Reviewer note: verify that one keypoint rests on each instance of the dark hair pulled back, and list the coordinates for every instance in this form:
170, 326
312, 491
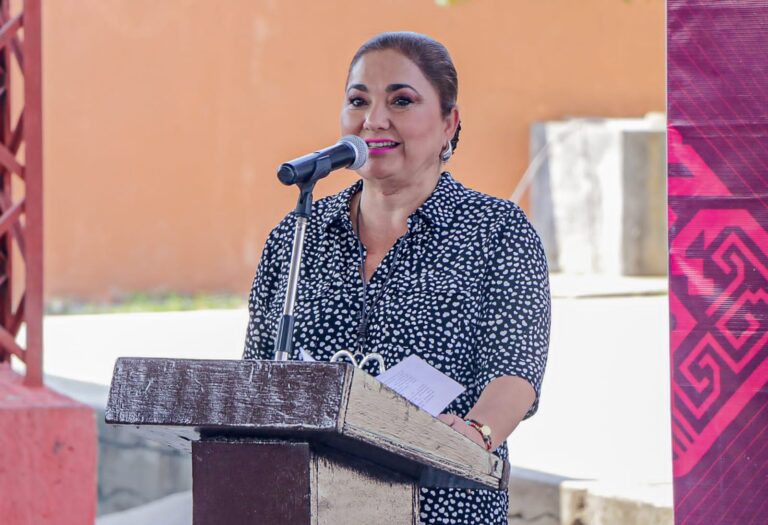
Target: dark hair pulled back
432, 59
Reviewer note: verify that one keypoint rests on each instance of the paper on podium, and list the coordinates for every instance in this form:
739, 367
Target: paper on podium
421, 384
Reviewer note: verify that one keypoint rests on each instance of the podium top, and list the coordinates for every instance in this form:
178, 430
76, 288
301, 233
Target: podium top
177, 401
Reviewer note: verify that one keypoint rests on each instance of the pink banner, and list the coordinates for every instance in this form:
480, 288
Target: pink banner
718, 231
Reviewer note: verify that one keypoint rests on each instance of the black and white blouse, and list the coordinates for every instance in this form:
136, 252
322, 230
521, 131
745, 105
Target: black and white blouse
466, 289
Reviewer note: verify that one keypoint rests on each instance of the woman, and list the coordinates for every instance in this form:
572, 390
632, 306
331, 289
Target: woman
408, 261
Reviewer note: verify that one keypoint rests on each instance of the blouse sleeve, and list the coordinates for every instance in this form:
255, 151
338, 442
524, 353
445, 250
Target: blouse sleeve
515, 318
260, 335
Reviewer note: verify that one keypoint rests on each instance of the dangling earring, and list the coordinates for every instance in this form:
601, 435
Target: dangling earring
447, 152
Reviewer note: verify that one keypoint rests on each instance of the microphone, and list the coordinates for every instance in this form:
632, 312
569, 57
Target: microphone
349, 152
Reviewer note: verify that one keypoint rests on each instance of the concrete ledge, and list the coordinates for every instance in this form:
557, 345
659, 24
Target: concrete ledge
534, 497
601, 503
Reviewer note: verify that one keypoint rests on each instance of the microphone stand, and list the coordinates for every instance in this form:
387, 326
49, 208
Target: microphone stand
284, 340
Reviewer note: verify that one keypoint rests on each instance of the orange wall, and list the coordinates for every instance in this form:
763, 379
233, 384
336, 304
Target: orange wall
165, 120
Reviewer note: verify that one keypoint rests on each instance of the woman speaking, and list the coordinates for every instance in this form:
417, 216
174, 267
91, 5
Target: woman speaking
409, 261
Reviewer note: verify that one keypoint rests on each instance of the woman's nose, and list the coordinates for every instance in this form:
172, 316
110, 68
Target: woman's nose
377, 117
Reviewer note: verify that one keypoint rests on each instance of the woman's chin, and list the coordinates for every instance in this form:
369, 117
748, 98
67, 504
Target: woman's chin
377, 171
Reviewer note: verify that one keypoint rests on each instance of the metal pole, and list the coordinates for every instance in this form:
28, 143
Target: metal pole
284, 340
33, 204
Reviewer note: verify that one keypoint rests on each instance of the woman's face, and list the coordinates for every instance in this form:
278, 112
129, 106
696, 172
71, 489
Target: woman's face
396, 110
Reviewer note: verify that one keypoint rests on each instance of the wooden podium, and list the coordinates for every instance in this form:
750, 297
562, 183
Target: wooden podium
295, 443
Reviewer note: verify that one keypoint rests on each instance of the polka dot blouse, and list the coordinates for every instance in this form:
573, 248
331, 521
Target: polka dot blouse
466, 289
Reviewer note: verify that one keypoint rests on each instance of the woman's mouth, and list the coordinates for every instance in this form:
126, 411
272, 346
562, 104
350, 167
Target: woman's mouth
381, 145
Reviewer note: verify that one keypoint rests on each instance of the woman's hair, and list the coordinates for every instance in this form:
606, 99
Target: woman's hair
432, 59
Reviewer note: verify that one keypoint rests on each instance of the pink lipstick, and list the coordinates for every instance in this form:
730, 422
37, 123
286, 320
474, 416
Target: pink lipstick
379, 146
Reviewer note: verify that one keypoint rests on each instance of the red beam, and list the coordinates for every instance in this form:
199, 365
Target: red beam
16, 48
8, 31
18, 231
10, 216
6, 245
9, 162
18, 134
18, 317
8, 342
33, 140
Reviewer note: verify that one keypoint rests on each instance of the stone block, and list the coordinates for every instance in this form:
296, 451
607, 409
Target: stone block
47, 456
604, 503
598, 195
534, 497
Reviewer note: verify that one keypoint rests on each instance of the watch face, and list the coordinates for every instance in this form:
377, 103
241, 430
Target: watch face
486, 430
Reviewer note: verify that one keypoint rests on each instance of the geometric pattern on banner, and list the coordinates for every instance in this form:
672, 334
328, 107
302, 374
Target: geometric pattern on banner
718, 234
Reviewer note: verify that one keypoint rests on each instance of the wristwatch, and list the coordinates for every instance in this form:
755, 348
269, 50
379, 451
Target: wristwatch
485, 432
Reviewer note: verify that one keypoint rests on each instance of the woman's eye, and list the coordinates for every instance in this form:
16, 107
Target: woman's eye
356, 102
402, 101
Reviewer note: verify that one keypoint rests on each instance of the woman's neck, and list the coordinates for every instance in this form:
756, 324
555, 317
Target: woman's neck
385, 208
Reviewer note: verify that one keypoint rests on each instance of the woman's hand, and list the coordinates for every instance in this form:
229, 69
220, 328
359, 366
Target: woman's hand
501, 406
458, 424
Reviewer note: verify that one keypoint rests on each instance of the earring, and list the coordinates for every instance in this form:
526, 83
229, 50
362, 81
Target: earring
447, 152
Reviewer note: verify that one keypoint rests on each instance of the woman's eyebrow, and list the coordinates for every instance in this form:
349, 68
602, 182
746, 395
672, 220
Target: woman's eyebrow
390, 88
395, 87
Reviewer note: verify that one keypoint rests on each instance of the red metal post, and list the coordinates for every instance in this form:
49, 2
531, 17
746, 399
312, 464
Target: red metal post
48, 443
21, 222
33, 139
6, 308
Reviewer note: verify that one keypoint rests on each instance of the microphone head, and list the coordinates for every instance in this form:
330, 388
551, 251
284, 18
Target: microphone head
361, 150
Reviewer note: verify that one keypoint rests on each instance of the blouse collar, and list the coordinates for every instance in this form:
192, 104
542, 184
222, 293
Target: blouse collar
437, 210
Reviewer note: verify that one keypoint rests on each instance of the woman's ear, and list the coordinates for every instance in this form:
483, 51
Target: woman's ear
452, 122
